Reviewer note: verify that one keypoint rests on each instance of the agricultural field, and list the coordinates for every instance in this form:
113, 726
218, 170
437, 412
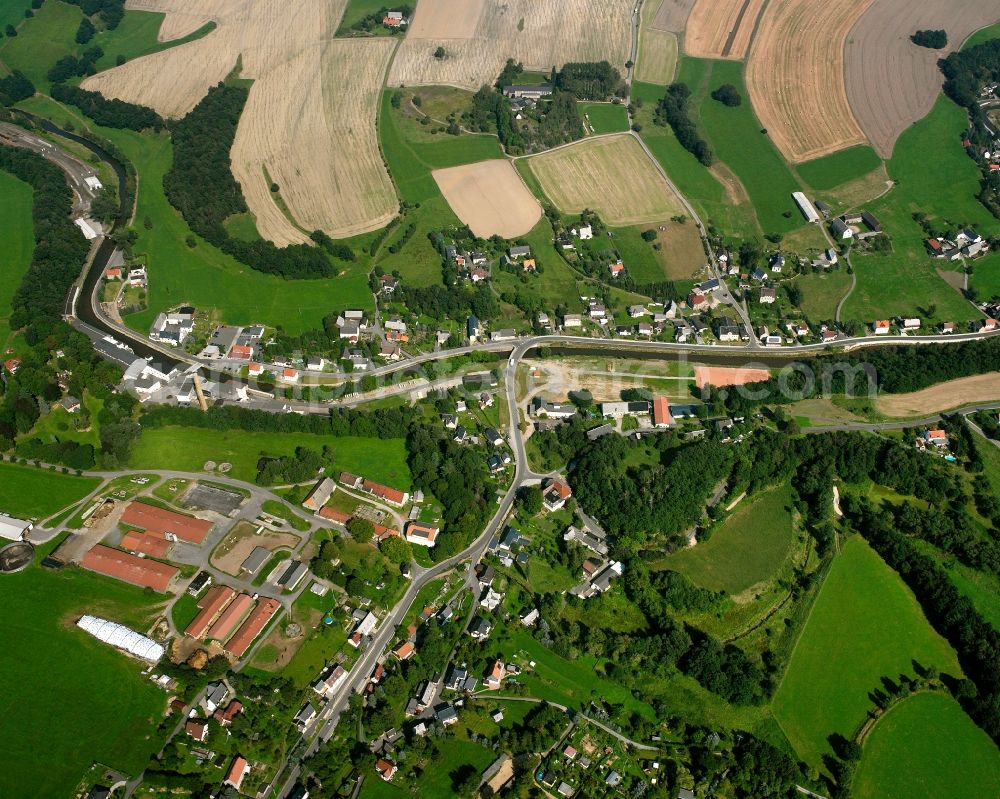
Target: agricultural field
830, 171
795, 74
865, 625
17, 232
891, 83
600, 118
187, 449
745, 550
318, 143
12, 12
657, 47
103, 711
721, 28
478, 37
924, 748
612, 176
30, 492
738, 141
941, 397
985, 278
677, 252
905, 283
490, 198
821, 292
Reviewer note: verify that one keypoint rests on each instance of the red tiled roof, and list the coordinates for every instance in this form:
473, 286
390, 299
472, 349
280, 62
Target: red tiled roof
422, 530
349, 479
385, 492
158, 521
252, 627
237, 771
381, 531
128, 568
233, 615
661, 412
146, 544
232, 710
563, 490
241, 351
404, 650
211, 605
335, 515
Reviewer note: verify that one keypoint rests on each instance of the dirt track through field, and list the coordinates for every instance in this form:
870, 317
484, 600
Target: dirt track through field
942, 397
795, 76
891, 82
721, 28
539, 35
611, 175
490, 198
310, 117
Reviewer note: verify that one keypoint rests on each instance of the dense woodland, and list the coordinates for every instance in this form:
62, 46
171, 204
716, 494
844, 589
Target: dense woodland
200, 185
14, 88
590, 80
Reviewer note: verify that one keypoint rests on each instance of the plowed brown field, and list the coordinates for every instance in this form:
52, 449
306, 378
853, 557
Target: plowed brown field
672, 15
891, 83
795, 76
539, 35
490, 198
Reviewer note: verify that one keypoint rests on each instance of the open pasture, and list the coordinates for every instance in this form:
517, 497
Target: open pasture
318, 144
746, 550
924, 748
795, 76
891, 82
490, 198
539, 35
721, 28
611, 175
29, 492
865, 625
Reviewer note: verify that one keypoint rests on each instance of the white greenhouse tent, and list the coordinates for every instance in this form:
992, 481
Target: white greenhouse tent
121, 637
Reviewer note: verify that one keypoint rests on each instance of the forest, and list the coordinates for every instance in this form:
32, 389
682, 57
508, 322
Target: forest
200, 185
590, 81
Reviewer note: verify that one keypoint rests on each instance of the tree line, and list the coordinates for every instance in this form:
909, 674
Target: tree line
200, 184
108, 113
674, 109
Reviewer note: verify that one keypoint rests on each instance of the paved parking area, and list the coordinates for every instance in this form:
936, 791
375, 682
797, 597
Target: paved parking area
208, 497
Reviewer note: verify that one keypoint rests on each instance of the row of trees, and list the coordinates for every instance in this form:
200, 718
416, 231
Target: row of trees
200, 185
109, 113
674, 110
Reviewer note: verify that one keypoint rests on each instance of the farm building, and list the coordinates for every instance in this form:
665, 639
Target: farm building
423, 534
320, 494
212, 604
144, 544
128, 568
529, 92
121, 637
230, 618
165, 523
13, 529
252, 627
255, 560
805, 207
292, 575
661, 413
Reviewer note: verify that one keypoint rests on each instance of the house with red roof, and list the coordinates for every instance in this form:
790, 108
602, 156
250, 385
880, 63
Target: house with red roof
237, 772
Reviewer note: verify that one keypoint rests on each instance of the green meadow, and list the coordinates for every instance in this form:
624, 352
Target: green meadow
865, 625
925, 748
17, 233
187, 449
935, 177
832, 170
747, 548
28, 491
604, 117
78, 701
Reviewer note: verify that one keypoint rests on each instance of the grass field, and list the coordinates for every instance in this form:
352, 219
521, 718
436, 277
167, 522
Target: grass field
603, 117
557, 283
830, 171
12, 12
186, 449
693, 180
92, 705
821, 292
454, 754
27, 491
679, 256
357, 10
657, 50
208, 278
925, 748
41, 41
748, 548
985, 278
944, 188
17, 232
735, 136
865, 625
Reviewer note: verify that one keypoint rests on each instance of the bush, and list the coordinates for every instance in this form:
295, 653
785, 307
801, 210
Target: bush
932, 39
727, 94
648, 235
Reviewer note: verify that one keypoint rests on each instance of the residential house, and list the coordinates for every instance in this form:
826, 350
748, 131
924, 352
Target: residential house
237, 772
421, 533
555, 495
572, 320
388, 284
506, 334
386, 769
911, 324
552, 410
936, 437
768, 295
777, 262
616, 268
635, 311
519, 251
841, 230
494, 675
583, 232
881, 327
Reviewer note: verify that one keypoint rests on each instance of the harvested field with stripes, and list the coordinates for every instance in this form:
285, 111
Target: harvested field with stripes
672, 15
657, 49
318, 143
611, 175
721, 28
539, 35
795, 76
891, 82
